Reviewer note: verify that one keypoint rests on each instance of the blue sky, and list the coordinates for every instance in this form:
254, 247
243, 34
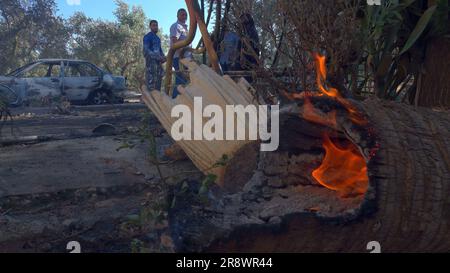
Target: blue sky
165, 11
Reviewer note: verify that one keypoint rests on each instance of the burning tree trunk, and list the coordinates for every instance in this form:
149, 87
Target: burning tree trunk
283, 209
282, 204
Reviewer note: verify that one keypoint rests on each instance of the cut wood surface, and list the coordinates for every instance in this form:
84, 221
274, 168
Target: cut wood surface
213, 89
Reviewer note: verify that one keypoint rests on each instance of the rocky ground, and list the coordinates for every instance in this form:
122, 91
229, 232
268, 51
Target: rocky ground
85, 174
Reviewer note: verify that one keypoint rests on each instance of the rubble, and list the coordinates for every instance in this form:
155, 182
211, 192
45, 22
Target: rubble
64, 179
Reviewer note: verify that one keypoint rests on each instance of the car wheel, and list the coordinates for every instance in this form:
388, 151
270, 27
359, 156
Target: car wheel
8, 96
97, 98
118, 100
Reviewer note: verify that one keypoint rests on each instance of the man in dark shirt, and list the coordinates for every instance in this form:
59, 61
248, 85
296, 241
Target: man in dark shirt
154, 57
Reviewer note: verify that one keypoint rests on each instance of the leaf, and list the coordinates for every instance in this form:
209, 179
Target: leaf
222, 161
133, 219
174, 202
407, 3
206, 183
397, 15
125, 145
184, 188
440, 21
420, 27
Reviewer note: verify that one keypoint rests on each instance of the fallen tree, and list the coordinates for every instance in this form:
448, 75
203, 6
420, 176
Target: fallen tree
271, 202
213, 89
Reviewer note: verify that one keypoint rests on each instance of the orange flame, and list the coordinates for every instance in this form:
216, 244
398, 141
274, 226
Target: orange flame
321, 78
342, 169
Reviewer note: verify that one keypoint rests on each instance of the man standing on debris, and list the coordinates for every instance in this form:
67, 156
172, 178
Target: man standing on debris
229, 52
154, 57
179, 32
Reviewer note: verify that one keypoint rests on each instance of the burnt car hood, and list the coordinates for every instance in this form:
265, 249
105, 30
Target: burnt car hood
119, 83
114, 83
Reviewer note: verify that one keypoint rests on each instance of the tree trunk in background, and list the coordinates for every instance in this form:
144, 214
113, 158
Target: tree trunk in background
434, 89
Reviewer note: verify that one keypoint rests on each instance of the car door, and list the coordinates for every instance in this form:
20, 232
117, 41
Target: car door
80, 80
42, 79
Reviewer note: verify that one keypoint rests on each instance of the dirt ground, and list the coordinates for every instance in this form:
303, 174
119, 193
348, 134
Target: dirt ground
65, 178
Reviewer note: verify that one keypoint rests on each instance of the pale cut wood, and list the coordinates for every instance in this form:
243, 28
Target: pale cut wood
213, 89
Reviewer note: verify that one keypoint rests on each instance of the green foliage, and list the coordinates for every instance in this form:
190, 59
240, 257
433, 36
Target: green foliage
210, 179
126, 145
418, 30
370, 49
148, 216
223, 161
115, 46
31, 30
145, 133
138, 246
207, 182
397, 34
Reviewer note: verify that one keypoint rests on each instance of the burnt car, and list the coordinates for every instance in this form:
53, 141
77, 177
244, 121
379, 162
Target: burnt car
81, 82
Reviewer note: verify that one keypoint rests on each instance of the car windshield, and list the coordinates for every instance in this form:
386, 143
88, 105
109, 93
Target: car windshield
92, 69
18, 70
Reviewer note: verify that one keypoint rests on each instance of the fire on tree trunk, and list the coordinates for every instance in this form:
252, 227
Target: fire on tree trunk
283, 209
289, 201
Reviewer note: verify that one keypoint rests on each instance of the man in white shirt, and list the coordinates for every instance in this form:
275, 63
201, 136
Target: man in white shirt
179, 32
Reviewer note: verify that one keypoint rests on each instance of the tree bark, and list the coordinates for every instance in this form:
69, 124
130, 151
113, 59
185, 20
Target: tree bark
406, 208
435, 82
269, 202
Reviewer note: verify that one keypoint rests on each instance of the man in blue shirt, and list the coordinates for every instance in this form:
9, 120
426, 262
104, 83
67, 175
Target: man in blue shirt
154, 57
230, 52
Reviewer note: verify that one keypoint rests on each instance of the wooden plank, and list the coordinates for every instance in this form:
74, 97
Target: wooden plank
213, 89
